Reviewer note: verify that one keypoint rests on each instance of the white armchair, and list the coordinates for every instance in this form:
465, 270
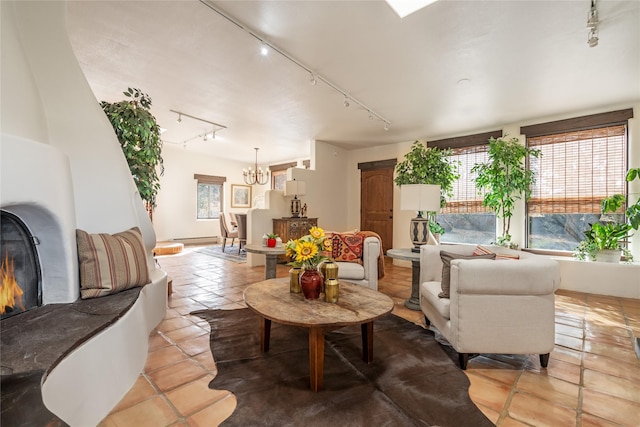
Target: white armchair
501, 306
367, 273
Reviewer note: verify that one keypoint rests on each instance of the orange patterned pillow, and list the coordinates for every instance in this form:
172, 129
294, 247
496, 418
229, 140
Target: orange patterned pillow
347, 247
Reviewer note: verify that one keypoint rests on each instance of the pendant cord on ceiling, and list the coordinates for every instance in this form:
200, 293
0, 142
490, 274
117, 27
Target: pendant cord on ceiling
314, 76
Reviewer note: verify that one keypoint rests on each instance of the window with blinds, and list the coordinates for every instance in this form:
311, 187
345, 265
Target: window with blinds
583, 161
578, 169
465, 195
209, 196
464, 219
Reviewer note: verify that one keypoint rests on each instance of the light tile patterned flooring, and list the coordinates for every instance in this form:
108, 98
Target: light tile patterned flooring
593, 377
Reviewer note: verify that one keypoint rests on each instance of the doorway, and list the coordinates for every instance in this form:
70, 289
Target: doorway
376, 199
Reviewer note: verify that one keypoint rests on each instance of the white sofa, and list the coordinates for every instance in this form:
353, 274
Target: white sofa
495, 306
367, 273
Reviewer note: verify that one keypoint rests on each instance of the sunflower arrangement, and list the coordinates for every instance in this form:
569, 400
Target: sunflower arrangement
308, 251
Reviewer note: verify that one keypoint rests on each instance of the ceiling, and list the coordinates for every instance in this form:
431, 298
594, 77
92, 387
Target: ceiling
451, 68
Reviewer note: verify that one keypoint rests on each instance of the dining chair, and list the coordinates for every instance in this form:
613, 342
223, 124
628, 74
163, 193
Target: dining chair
225, 233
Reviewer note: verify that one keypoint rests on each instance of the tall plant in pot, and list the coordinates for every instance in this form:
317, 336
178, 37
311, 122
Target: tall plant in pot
139, 136
504, 178
429, 165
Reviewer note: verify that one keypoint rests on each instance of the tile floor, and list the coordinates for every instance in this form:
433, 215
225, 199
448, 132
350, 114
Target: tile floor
593, 377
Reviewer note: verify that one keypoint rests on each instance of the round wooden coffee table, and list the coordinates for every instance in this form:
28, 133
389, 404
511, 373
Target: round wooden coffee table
357, 305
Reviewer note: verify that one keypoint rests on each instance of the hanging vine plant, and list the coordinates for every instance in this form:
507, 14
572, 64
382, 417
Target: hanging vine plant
139, 136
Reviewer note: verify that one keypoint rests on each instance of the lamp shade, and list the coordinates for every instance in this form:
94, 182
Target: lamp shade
420, 197
294, 188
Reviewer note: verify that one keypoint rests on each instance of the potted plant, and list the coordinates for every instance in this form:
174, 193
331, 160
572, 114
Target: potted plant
429, 165
271, 240
505, 178
604, 241
139, 136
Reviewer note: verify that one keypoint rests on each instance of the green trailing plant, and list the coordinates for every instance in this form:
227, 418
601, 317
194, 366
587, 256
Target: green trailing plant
633, 211
429, 165
610, 235
504, 178
139, 136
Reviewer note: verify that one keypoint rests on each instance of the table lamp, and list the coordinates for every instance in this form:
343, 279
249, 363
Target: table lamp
295, 188
420, 198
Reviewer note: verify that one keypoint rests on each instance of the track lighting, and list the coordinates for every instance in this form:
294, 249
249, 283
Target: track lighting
592, 24
592, 41
205, 137
386, 125
592, 20
314, 77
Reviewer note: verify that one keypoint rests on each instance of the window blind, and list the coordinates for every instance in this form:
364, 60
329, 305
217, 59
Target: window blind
209, 179
578, 169
465, 195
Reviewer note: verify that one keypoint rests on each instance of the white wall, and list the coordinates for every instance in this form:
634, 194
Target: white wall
326, 196
50, 94
175, 216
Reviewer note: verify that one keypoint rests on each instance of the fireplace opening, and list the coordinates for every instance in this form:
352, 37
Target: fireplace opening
20, 275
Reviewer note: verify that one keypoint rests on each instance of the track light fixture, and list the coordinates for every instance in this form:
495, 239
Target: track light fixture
592, 39
216, 127
592, 24
386, 125
266, 46
592, 19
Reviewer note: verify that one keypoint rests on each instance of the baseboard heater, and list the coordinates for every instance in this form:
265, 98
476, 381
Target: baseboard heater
204, 239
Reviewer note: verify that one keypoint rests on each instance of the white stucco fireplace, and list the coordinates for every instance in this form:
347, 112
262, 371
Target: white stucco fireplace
62, 169
46, 207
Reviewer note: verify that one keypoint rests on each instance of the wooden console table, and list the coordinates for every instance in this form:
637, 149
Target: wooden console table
292, 228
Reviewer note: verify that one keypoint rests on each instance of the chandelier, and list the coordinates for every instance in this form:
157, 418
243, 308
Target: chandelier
257, 175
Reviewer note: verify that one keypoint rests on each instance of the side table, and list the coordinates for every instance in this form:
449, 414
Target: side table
412, 303
270, 255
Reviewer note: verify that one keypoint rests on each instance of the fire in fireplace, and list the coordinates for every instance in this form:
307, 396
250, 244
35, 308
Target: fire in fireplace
21, 285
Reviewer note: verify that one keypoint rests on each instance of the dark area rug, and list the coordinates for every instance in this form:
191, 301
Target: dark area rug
230, 253
411, 381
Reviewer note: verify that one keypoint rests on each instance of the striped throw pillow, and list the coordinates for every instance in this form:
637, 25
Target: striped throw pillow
111, 263
483, 250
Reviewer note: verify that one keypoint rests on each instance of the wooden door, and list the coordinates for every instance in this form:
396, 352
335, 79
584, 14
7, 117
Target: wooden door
376, 199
